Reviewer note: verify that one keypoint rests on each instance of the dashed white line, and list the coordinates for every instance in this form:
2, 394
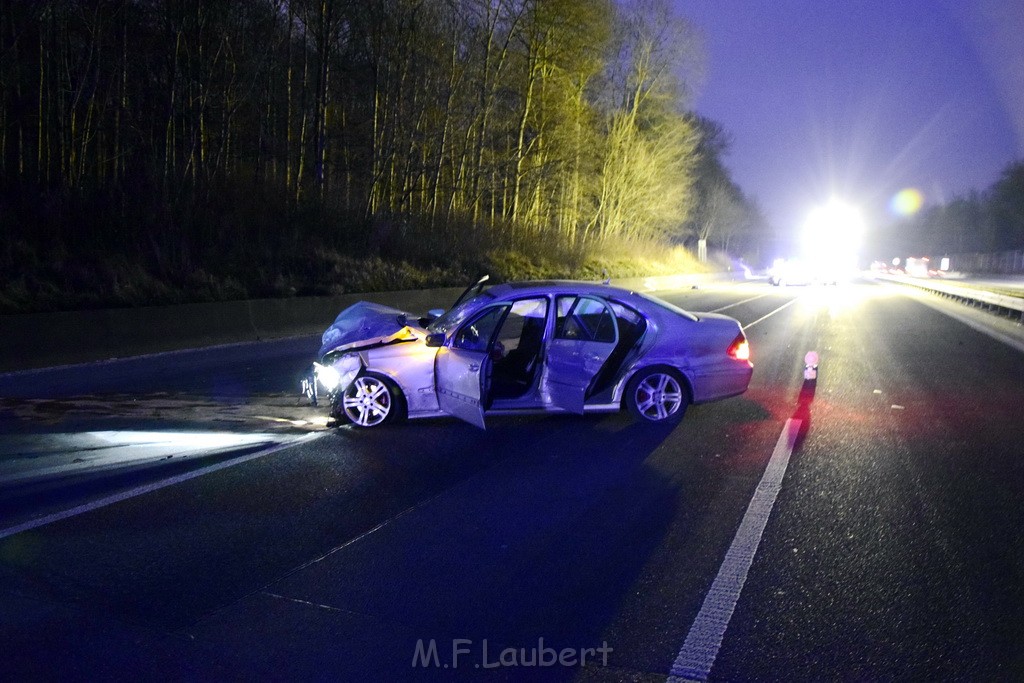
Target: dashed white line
739, 303
700, 649
765, 317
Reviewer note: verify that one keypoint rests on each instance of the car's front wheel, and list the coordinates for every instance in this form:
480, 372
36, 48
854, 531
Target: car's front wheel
657, 394
370, 401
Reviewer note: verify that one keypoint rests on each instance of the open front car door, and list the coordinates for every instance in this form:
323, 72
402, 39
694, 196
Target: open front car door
462, 367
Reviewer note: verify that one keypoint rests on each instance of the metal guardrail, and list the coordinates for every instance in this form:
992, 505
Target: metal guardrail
970, 295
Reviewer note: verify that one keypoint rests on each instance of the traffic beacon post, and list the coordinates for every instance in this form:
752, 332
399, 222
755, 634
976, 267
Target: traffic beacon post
811, 365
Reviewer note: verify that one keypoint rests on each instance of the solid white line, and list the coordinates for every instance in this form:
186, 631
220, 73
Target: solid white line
697, 656
148, 488
9, 374
765, 317
738, 303
947, 308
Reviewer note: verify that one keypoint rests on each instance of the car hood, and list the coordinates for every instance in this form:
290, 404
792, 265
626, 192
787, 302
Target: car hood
368, 324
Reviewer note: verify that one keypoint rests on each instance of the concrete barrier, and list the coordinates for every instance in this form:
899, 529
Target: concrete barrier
46, 339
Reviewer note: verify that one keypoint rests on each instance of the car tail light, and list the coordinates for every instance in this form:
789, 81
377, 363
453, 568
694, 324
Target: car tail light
739, 349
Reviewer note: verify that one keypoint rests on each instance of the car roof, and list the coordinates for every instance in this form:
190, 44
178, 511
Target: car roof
555, 287
640, 301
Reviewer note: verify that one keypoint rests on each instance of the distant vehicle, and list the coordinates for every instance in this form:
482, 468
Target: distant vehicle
786, 272
919, 267
789, 272
520, 347
887, 268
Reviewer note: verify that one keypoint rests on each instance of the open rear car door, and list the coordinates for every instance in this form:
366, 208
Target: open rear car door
586, 333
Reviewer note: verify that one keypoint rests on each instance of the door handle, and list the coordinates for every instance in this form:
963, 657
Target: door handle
473, 367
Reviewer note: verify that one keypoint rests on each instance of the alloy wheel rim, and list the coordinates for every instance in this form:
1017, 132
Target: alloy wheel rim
367, 402
658, 396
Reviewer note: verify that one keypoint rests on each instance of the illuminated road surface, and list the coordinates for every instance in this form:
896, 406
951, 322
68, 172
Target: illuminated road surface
865, 526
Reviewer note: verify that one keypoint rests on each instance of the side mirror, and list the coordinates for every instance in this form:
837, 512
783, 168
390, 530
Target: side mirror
436, 339
435, 312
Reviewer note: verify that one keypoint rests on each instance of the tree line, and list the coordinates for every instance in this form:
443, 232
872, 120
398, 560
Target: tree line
254, 137
976, 223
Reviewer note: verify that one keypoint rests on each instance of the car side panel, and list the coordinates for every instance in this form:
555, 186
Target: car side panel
411, 367
715, 374
723, 381
697, 349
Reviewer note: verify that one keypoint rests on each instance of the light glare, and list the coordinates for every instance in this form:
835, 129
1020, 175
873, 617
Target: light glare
832, 236
906, 202
328, 376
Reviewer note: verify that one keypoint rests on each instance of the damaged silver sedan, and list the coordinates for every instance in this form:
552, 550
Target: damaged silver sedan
528, 347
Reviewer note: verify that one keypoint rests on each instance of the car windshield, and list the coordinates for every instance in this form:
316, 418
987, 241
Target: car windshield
453, 318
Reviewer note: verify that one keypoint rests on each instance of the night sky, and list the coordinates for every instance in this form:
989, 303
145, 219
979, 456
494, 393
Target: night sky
862, 99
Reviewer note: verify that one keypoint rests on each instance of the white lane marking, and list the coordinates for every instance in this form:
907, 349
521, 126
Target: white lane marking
738, 303
84, 452
697, 656
976, 325
156, 355
149, 488
765, 317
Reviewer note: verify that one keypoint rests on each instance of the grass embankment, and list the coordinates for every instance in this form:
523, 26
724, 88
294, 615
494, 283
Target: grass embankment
63, 279
65, 250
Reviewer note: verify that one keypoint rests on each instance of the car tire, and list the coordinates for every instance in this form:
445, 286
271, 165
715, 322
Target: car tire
657, 394
371, 400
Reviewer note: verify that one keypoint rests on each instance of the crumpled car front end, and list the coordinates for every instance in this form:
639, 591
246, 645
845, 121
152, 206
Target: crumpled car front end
359, 327
332, 379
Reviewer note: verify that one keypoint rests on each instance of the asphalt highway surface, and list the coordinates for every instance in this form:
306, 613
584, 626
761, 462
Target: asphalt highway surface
185, 516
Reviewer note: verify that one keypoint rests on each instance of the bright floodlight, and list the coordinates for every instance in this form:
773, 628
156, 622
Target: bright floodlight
832, 235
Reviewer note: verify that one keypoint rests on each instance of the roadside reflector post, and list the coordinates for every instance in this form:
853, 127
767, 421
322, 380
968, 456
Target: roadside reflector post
811, 365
